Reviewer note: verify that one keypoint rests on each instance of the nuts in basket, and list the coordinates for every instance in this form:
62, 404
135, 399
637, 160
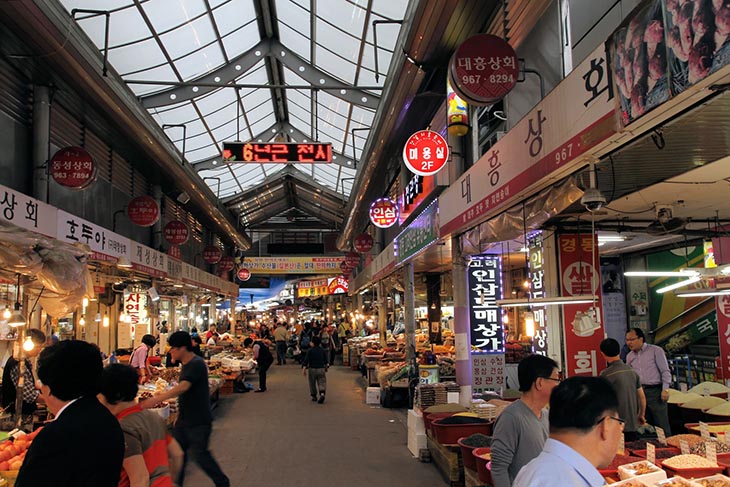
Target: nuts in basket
681, 462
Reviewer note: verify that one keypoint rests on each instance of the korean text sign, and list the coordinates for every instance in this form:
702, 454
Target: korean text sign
485, 288
537, 290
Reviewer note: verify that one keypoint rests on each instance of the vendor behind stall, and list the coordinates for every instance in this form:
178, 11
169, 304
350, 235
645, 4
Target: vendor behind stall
11, 374
140, 359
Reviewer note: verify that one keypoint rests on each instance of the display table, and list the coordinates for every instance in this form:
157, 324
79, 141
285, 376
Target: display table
448, 460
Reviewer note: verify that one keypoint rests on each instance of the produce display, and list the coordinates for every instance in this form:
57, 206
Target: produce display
477, 440
676, 482
714, 481
12, 452
641, 444
619, 460
690, 439
699, 448
689, 461
706, 402
486, 456
682, 397
641, 468
721, 410
709, 387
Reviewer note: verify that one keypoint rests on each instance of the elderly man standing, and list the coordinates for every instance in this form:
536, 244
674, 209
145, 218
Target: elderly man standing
650, 362
585, 430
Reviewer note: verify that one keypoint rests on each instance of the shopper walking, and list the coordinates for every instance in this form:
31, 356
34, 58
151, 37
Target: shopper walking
264, 359
281, 335
316, 363
11, 376
194, 422
625, 381
650, 362
84, 445
152, 458
522, 428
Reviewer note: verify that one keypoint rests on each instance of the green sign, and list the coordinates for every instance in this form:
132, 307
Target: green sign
422, 232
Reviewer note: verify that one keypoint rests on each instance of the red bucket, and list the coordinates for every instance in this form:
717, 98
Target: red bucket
449, 434
429, 417
484, 473
467, 458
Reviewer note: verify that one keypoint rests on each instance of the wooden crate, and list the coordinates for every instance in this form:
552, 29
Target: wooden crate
471, 478
448, 460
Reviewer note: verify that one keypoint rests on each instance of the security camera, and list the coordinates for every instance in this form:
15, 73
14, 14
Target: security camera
593, 199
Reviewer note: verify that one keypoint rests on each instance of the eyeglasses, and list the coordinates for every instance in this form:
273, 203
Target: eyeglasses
618, 420
558, 380
632, 339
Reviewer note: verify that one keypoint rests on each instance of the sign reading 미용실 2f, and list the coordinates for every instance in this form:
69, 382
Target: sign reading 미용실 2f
485, 288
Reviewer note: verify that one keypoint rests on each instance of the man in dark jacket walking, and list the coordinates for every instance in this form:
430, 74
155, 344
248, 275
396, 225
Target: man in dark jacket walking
317, 362
263, 357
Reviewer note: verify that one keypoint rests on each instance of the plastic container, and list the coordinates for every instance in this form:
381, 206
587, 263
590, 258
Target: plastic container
723, 460
466, 454
630, 471
483, 471
717, 478
695, 427
693, 473
428, 418
449, 434
674, 481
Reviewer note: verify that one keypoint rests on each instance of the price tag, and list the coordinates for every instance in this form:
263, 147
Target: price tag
684, 447
661, 436
651, 453
683, 387
621, 446
711, 451
705, 391
704, 430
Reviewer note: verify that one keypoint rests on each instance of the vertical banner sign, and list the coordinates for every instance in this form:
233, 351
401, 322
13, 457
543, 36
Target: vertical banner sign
488, 372
722, 303
133, 305
578, 276
485, 325
537, 290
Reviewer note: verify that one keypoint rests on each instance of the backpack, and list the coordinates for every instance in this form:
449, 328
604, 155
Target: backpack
305, 341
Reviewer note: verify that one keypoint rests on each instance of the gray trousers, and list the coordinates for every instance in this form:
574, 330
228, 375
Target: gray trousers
656, 409
317, 380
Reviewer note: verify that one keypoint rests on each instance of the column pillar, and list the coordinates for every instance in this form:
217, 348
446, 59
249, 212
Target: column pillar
461, 324
157, 227
409, 303
382, 312
41, 140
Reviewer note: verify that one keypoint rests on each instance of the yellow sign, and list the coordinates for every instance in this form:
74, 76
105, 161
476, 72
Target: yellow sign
294, 265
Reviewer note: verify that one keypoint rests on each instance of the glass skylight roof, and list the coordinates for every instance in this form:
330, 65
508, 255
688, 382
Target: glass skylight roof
181, 41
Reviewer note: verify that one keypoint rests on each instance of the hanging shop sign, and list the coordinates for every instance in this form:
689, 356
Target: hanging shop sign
212, 254
277, 152
175, 252
414, 194
105, 245
73, 168
294, 265
457, 117
312, 288
149, 261
345, 268
363, 243
226, 264
143, 211
537, 290
176, 232
337, 285
383, 213
243, 274
483, 69
485, 288
425, 153
27, 213
542, 144
352, 259
582, 324
134, 303
488, 373
416, 237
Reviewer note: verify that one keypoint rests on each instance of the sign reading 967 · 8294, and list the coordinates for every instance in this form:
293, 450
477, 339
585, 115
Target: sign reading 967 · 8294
485, 289
425, 153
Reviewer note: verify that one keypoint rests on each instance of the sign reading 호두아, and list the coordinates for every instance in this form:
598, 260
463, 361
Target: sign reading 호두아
104, 244
485, 288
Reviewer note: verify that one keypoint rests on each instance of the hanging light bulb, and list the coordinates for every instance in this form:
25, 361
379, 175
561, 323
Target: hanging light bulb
105, 321
16, 317
85, 303
526, 284
82, 321
433, 305
122, 317
6, 313
28, 344
529, 324
505, 319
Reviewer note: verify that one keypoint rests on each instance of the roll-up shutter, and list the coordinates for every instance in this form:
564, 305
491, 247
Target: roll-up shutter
14, 94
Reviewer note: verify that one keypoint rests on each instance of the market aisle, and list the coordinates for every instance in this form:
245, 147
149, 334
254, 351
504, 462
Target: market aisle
280, 437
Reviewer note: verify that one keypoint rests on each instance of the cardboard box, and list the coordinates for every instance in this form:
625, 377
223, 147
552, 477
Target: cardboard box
372, 395
416, 442
415, 422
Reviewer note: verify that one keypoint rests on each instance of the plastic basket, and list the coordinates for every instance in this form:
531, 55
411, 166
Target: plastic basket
466, 454
428, 418
483, 471
693, 473
449, 434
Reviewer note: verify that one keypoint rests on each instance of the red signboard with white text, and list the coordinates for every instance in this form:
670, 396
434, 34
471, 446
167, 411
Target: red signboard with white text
143, 211
722, 305
580, 275
73, 168
384, 213
176, 232
425, 153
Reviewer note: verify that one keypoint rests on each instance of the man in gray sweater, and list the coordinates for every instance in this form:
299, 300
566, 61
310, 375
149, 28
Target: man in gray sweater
522, 428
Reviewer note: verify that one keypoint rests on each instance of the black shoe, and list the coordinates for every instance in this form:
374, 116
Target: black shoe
314, 398
260, 390
321, 399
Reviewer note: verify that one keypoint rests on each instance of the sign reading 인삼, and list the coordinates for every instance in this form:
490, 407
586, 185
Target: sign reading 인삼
105, 245
422, 232
294, 265
572, 120
579, 266
143, 211
488, 372
425, 153
28, 213
537, 290
383, 213
73, 168
277, 152
485, 288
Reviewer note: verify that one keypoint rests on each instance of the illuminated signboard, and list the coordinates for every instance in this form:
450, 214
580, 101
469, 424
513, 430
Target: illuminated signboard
277, 152
384, 212
414, 194
537, 290
485, 288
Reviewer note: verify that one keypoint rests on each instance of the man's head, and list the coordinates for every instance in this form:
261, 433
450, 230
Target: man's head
635, 339
180, 345
248, 342
197, 340
610, 348
118, 384
213, 328
68, 370
538, 374
584, 415
39, 340
149, 340
316, 341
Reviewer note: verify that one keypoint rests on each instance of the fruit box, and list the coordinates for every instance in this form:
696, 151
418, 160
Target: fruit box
643, 471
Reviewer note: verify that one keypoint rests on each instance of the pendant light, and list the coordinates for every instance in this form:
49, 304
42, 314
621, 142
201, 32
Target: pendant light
17, 318
82, 321
6, 313
28, 344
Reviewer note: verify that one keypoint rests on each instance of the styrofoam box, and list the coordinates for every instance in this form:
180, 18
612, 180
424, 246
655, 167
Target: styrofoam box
372, 395
629, 472
415, 422
416, 442
713, 477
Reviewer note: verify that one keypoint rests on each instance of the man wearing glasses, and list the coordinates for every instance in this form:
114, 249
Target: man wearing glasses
650, 362
522, 428
585, 430
626, 383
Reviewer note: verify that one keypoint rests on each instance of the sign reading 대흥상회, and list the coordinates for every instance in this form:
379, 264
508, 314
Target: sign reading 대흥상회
485, 288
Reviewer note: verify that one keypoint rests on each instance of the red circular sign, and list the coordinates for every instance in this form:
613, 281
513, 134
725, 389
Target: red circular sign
425, 153
352, 259
383, 212
483, 69
345, 268
243, 274
212, 254
226, 264
73, 167
143, 211
176, 232
363, 243
174, 251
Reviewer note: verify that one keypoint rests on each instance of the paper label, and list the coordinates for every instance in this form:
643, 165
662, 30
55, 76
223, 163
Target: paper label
661, 436
684, 447
705, 391
704, 430
711, 451
651, 453
683, 387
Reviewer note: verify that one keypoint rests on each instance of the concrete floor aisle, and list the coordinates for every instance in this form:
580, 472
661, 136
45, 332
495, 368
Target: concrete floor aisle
281, 438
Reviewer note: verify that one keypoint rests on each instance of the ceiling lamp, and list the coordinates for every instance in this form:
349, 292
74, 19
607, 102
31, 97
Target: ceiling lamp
556, 301
679, 273
28, 344
700, 293
16, 317
7, 313
679, 284
123, 263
